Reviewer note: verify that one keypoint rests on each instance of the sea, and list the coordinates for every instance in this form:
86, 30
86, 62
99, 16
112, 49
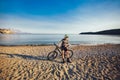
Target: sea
49, 39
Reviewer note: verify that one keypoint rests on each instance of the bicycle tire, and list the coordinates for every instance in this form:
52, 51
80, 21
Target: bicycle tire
52, 55
70, 54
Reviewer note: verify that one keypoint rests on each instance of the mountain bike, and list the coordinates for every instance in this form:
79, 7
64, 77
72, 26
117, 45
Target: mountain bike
57, 51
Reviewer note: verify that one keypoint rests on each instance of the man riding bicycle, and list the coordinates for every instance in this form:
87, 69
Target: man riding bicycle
64, 44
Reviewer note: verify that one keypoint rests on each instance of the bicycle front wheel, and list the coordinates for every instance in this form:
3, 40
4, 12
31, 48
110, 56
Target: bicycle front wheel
52, 55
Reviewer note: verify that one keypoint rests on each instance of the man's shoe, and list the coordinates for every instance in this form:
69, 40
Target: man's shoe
63, 61
68, 60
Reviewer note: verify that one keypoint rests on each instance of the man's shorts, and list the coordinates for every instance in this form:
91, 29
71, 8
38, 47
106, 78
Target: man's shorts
64, 48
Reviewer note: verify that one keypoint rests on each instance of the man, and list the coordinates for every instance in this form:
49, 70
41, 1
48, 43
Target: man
64, 44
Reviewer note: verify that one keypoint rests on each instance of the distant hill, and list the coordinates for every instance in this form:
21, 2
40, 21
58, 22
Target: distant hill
105, 32
6, 31
11, 31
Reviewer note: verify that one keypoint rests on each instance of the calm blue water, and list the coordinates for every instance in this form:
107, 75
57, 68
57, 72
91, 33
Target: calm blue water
40, 39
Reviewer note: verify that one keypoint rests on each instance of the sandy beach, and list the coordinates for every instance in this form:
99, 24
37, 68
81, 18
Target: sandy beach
90, 62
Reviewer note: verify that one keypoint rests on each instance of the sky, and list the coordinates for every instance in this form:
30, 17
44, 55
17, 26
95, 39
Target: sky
60, 16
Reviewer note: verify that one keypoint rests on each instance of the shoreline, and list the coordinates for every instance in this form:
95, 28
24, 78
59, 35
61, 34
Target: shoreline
53, 45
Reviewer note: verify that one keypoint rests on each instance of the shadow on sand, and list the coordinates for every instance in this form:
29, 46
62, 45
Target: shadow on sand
28, 57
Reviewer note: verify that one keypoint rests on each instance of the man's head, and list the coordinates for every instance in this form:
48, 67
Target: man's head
66, 36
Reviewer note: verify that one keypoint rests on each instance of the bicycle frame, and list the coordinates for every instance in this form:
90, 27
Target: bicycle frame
57, 48
57, 51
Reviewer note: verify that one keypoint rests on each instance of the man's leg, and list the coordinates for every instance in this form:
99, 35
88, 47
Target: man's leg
68, 55
63, 56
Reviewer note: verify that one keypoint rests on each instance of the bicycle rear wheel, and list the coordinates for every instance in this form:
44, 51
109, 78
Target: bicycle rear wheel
70, 53
52, 55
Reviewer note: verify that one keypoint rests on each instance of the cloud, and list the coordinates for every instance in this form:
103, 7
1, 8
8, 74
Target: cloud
89, 17
75, 25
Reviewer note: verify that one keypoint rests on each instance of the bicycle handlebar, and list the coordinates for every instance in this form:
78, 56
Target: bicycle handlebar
56, 45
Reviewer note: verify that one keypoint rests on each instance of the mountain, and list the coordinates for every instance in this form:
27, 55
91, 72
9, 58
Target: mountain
6, 31
11, 31
105, 32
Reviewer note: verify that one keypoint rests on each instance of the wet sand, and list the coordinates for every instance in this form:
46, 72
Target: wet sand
90, 62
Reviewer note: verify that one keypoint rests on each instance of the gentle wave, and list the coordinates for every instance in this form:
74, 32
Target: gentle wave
49, 39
